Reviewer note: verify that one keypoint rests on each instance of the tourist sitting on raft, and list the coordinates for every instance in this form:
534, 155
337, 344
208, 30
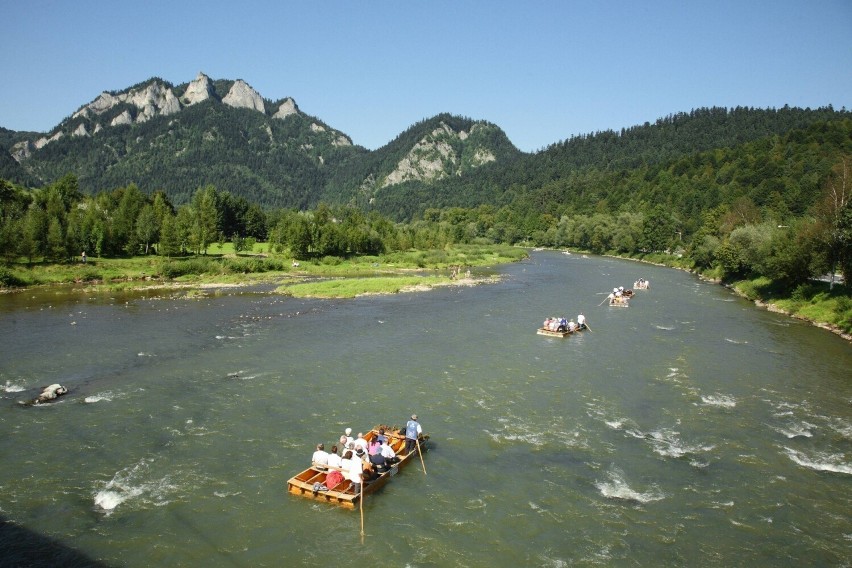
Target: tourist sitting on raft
334, 458
381, 438
354, 464
320, 458
388, 453
555, 324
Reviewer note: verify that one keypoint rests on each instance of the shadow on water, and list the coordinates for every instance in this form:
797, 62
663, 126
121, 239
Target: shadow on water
22, 548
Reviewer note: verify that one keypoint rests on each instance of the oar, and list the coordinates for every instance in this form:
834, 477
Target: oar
423, 463
587, 326
602, 303
362, 508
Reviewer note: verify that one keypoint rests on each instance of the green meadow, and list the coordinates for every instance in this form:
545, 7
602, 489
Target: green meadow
330, 277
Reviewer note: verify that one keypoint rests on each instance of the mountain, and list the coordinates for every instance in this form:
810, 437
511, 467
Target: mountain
580, 173
224, 133
440, 148
221, 132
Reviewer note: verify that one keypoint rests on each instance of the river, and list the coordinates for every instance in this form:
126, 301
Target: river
690, 429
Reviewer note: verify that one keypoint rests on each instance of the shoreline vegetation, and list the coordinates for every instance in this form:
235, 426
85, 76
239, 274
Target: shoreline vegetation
327, 277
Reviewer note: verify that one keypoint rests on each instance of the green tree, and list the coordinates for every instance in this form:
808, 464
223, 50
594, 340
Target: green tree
56, 250
255, 222
170, 242
130, 204
34, 237
68, 189
791, 255
298, 236
832, 212
658, 230
205, 226
184, 221
754, 243
239, 243
147, 226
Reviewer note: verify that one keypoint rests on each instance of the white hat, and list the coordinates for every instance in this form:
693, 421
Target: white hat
348, 431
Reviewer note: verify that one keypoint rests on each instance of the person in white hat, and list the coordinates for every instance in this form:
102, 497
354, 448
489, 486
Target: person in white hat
347, 438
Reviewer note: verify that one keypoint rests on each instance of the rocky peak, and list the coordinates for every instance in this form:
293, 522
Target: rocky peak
287, 108
157, 98
242, 95
440, 153
199, 89
428, 160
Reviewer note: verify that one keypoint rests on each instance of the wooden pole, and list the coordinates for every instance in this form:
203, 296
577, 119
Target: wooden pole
423, 463
587, 326
362, 506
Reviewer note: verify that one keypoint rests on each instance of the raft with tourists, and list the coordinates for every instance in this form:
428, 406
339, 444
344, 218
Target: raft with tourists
313, 482
551, 333
560, 327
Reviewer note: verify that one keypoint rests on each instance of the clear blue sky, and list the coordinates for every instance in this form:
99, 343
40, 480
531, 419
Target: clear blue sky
541, 70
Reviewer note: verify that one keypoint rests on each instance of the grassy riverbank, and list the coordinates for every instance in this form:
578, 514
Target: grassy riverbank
321, 277
815, 302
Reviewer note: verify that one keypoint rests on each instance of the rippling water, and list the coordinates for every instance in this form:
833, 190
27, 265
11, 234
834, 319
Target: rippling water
690, 429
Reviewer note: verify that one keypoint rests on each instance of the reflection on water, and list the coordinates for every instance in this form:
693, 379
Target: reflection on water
690, 429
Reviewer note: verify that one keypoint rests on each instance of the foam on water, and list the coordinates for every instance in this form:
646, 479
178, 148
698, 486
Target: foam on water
124, 485
617, 488
514, 429
667, 443
820, 461
736, 342
796, 430
720, 400
12, 387
241, 376
107, 396
842, 427
136, 484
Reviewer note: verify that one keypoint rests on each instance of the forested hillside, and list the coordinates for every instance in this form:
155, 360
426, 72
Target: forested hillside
581, 168
269, 162
358, 180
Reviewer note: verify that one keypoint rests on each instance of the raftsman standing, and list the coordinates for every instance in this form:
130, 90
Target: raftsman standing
412, 433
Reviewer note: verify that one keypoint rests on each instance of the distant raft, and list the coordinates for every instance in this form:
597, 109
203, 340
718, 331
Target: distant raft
560, 333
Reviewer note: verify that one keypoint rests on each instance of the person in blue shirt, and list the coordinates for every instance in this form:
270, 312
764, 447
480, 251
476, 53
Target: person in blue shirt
412, 433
